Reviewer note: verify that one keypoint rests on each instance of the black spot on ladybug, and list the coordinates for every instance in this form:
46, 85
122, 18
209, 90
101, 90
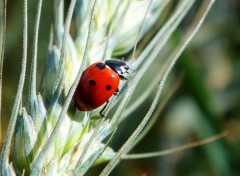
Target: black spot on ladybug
92, 82
108, 87
101, 66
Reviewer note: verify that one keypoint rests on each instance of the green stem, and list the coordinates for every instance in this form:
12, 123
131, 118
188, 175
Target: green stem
3, 10
57, 85
176, 149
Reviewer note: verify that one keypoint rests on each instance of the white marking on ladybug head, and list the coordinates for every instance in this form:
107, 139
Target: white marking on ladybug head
123, 69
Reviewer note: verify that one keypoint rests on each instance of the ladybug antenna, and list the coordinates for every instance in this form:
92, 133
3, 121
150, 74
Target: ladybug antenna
130, 65
131, 68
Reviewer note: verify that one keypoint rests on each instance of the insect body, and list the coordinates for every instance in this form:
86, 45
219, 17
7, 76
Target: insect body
98, 83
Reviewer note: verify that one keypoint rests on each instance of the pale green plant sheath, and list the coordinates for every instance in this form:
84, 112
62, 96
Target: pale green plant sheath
32, 91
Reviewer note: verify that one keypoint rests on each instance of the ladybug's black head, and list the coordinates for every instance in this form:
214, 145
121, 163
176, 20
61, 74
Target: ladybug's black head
120, 67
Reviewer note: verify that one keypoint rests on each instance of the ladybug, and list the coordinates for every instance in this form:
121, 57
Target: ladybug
98, 83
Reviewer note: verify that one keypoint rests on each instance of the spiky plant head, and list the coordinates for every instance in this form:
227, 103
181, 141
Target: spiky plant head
49, 138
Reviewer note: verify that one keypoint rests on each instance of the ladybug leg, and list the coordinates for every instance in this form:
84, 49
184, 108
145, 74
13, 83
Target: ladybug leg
103, 109
117, 91
123, 77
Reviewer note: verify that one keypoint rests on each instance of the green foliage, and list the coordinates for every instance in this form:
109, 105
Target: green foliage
49, 136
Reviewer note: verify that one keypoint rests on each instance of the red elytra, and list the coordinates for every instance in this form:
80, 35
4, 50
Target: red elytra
98, 83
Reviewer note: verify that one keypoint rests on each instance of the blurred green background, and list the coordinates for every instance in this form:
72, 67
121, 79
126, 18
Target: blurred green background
207, 102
